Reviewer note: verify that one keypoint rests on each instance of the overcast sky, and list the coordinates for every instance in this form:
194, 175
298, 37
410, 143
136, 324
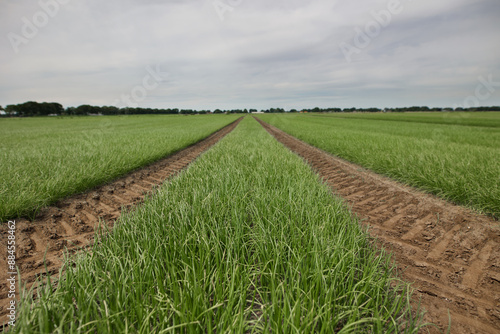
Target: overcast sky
207, 54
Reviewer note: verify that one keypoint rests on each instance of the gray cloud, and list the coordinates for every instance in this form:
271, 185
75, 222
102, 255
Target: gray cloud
261, 55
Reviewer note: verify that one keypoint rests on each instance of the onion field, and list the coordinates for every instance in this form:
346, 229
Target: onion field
453, 155
45, 159
245, 231
247, 239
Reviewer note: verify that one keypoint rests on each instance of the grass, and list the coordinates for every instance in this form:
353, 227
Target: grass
45, 159
247, 239
481, 119
456, 157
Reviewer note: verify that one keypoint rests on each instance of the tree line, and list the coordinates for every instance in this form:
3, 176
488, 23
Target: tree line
31, 108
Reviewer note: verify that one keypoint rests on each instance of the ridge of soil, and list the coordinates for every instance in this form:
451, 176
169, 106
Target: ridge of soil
450, 254
69, 224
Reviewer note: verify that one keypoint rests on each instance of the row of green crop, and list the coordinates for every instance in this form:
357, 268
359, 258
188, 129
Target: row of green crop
480, 119
247, 239
457, 162
44, 159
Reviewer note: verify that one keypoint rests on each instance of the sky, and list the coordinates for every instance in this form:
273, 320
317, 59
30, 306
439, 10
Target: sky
235, 54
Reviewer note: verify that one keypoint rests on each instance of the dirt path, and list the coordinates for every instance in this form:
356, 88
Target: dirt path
451, 255
70, 223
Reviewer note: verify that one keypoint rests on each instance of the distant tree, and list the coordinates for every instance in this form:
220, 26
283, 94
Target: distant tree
416, 108
32, 108
368, 109
493, 108
217, 111
10, 109
86, 109
110, 110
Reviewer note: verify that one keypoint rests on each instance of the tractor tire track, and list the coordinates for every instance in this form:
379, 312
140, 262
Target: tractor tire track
450, 254
70, 223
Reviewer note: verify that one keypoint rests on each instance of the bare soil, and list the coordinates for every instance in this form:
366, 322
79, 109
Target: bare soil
69, 224
450, 254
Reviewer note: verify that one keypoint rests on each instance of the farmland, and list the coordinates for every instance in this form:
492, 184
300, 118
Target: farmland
45, 159
249, 238
246, 239
455, 156
481, 119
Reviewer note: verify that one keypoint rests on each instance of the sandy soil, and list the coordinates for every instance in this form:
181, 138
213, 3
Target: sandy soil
69, 224
449, 253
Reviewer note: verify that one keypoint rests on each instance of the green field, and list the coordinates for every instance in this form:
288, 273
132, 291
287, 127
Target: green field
453, 155
45, 159
247, 239
484, 119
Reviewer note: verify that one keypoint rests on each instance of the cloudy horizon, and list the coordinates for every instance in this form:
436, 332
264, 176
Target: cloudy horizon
235, 54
